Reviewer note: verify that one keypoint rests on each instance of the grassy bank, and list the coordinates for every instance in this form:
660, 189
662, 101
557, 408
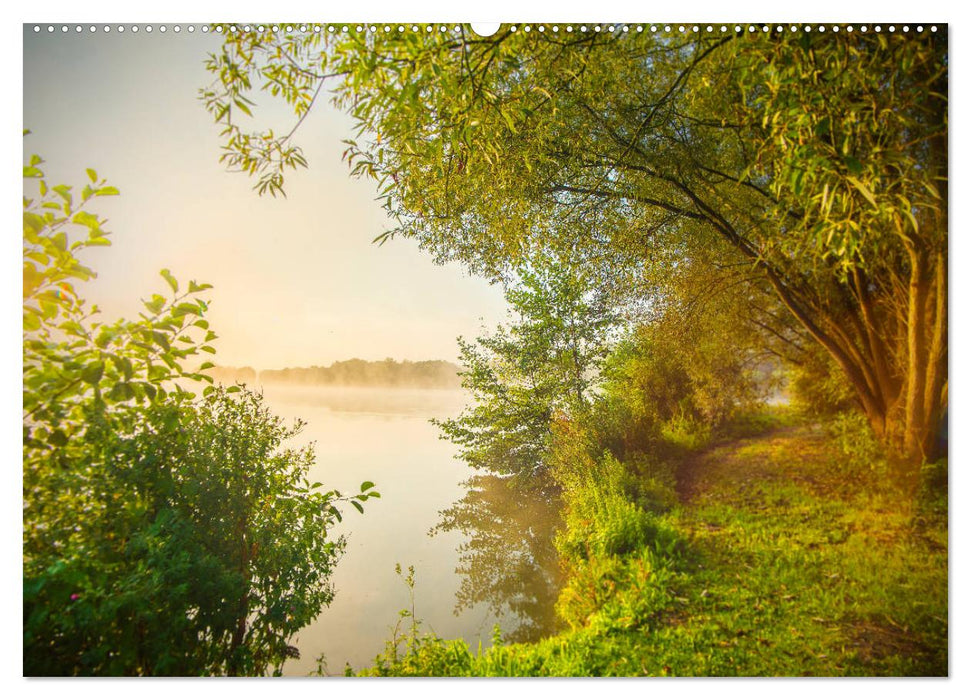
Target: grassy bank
783, 556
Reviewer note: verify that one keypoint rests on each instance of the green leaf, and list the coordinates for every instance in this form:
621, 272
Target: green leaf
92, 175
64, 191
864, 190
155, 304
57, 438
92, 373
85, 218
367, 485
852, 164
171, 280
122, 391
357, 505
161, 340
124, 365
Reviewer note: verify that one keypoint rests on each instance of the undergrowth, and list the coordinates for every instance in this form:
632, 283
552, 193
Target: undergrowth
796, 555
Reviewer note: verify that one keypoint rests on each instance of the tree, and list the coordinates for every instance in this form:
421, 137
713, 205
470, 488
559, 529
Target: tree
545, 362
163, 534
818, 159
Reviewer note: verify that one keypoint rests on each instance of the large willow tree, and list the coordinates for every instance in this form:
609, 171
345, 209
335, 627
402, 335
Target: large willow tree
816, 161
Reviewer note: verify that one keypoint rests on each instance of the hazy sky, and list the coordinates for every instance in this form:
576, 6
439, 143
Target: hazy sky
297, 281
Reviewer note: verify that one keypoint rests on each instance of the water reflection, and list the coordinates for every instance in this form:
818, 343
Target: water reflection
508, 561
491, 559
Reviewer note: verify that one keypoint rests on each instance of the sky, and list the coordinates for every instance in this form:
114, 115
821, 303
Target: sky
297, 281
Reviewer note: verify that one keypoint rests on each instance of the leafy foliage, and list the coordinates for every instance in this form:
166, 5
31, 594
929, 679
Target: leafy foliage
163, 534
792, 186
545, 362
785, 569
70, 357
818, 161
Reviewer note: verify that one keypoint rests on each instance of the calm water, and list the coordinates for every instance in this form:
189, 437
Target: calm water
384, 436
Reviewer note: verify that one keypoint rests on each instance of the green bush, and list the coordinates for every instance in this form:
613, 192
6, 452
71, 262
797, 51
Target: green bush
163, 534
650, 483
863, 457
686, 433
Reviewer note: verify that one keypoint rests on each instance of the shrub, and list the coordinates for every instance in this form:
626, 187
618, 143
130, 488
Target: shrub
863, 455
686, 433
162, 534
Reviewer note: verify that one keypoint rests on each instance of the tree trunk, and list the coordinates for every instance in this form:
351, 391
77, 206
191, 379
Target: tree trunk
908, 418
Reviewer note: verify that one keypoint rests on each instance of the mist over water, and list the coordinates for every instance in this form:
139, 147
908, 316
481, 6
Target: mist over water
384, 436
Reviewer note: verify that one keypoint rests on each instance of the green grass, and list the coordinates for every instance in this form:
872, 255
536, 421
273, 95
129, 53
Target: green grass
784, 558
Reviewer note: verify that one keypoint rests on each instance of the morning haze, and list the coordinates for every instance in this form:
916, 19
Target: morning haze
297, 281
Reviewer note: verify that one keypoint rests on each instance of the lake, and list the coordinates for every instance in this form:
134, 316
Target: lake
384, 436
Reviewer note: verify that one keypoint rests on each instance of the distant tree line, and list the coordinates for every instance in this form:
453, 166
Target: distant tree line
426, 374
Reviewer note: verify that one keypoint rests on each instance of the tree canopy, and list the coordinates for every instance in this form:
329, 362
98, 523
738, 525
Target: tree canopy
818, 160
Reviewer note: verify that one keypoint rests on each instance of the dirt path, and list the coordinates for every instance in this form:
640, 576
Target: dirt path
721, 462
